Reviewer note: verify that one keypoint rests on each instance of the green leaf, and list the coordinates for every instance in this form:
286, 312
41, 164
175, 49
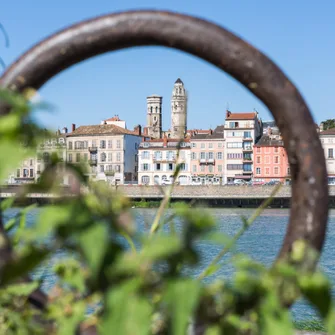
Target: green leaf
94, 243
274, 319
316, 288
182, 297
23, 289
126, 312
7, 203
23, 265
68, 324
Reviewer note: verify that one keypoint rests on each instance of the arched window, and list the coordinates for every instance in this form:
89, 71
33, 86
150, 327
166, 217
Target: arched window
183, 180
164, 177
145, 180
156, 180
151, 109
156, 109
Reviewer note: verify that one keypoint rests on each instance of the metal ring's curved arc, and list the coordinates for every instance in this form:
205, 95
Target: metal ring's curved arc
221, 48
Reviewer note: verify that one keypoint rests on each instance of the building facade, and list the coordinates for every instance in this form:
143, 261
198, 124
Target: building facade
207, 157
241, 132
158, 159
109, 151
270, 160
327, 138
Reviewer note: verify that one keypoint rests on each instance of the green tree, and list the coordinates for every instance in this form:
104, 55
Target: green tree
328, 124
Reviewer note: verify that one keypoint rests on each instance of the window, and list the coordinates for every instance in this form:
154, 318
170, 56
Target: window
233, 124
118, 157
109, 168
145, 167
220, 168
194, 145
210, 145
202, 155
258, 170
220, 145
330, 153
247, 134
102, 144
276, 158
170, 155
193, 156
158, 166
258, 159
18, 173
202, 168
78, 157
219, 155
102, 168
258, 150
70, 158
211, 155
210, 168
183, 167
110, 144
276, 170
46, 157
31, 162
235, 156
288, 171
234, 167
156, 180
145, 145
234, 145
145, 154
194, 168
157, 155
203, 145
70, 145
276, 149
183, 145
145, 179
182, 155
110, 157
170, 167
118, 168
118, 144
267, 171
85, 157
103, 157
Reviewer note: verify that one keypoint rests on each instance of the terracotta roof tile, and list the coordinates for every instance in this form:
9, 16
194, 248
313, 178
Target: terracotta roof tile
330, 131
101, 129
241, 116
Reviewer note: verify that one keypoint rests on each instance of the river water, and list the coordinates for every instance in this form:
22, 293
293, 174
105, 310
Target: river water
262, 242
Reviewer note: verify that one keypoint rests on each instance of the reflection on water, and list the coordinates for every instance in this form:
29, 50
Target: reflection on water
262, 242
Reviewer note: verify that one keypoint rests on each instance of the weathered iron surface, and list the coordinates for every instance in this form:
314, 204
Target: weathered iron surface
229, 53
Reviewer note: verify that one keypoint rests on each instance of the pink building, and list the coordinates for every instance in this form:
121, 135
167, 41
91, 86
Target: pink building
270, 160
207, 156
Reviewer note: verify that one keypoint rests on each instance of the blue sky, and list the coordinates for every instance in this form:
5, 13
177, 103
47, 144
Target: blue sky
298, 35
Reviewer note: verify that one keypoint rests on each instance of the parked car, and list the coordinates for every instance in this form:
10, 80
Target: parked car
239, 182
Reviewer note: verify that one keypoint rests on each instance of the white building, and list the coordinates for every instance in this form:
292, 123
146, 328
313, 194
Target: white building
327, 138
241, 131
158, 159
108, 149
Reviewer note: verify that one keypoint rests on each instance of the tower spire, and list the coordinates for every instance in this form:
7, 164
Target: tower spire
178, 110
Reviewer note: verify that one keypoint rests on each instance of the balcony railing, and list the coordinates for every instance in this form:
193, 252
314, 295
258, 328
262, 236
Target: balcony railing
210, 161
93, 161
247, 138
247, 159
207, 161
92, 149
247, 149
109, 173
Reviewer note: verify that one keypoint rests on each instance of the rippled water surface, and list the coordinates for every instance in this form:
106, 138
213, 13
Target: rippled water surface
262, 241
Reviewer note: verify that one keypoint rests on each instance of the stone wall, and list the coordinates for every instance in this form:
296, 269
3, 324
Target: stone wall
209, 192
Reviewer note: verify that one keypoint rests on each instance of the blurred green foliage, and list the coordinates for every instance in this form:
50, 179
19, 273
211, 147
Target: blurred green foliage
134, 281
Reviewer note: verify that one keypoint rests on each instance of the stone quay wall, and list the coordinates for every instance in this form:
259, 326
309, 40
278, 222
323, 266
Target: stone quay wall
208, 192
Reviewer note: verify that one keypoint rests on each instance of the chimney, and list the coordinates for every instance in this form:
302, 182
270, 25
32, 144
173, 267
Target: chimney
73, 127
65, 130
138, 130
165, 141
227, 113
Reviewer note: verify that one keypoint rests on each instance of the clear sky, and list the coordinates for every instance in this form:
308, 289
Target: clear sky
298, 35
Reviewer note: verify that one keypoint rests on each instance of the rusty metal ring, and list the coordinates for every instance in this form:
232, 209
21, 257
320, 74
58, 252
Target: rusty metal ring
309, 208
